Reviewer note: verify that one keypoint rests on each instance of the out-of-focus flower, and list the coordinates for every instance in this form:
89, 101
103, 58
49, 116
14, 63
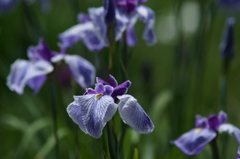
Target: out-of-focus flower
96, 107
8, 5
34, 72
92, 29
238, 152
227, 45
230, 3
194, 141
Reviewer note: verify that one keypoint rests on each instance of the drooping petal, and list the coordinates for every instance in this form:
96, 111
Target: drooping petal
97, 18
22, 71
231, 130
121, 24
36, 83
93, 113
131, 37
222, 117
121, 89
16, 76
85, 32
148, 17
133, 114
193, 142
82, 70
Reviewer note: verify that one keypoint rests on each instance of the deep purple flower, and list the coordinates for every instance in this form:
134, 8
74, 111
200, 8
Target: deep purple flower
96, 107
194, 141
227, 45
34, 72
93, 28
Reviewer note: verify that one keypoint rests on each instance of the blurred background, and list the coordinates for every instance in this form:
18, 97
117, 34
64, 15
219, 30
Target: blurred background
175, 79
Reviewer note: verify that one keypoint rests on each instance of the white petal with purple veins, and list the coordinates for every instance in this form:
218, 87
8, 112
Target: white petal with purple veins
231, 129
133, 114
82, 70
92, 113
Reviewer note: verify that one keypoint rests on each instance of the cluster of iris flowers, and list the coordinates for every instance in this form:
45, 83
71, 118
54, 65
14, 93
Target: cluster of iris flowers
96, 107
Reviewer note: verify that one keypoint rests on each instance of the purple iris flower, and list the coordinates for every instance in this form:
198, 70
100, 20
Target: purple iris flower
227, 45
238, 152
96, 107
194, 141
92, 29
34, 72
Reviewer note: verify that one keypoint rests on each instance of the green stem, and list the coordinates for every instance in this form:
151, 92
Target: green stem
54, 114
214, 147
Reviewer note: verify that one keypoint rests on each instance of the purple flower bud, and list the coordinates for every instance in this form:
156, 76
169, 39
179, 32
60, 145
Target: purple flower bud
109, 9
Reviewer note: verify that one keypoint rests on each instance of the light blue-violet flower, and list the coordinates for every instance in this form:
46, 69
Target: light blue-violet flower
194, 141
8, 5
92, 27
34, 72
227, 45
96, 107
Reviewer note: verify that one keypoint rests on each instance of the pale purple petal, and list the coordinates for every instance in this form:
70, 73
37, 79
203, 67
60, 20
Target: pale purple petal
22, 71
133, 115
99, 88
97, 18
121, 89
82, 70
122, 21
201, 122
131, 37
148, 17
16, 76
85, 32
231, 130
108, 89
36, 83
193, 142
83, 18
222, 117
90, 91
93, 113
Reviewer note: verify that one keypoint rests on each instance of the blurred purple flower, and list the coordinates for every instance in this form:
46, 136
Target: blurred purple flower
34, 72
194, 141
230, 3
227, 45
92, 29
96, 107
8, 5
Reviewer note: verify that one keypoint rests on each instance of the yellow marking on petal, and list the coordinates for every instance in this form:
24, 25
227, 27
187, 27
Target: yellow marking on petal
197, 130
98, 96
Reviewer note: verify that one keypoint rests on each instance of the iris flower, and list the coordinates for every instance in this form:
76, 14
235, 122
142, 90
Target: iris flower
227, 45
194, 141
34, 72
92, 27
96, 107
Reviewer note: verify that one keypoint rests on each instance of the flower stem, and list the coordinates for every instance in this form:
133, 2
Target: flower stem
214, 147
54, 114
